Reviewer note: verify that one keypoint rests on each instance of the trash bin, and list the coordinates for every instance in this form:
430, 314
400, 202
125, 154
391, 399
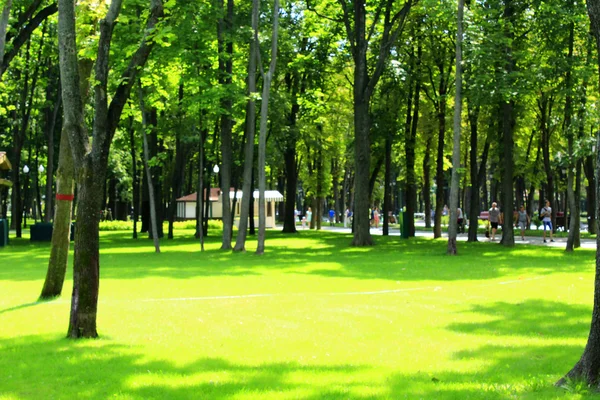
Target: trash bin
404, 229
41, 232
3, 232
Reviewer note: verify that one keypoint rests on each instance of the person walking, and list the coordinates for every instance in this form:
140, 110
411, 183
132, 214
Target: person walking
308, 217
495, 220
523, 221
460, 221
346, 217
376, 217
546, 215
331, 217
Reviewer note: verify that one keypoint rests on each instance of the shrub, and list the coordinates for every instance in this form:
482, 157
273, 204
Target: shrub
116, 225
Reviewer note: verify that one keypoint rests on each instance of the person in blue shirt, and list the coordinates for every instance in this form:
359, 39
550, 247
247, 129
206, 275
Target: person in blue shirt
331, 217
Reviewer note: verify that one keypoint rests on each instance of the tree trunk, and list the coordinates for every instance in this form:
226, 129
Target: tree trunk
50, 129
362, 154
59, 252
86, 265
573, 240
247, 185
454, 186
262, 137
475, 201
177, 183
439, 176
387, 186
588, 366
225, 32
91, 159
151, 192
135, 175
4, 18
427, 181
508, 234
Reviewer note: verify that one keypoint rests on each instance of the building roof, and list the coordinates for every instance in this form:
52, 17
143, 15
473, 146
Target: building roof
214, 196
4, 163
270, 195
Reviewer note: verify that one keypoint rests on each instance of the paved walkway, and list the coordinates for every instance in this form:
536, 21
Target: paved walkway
533, 240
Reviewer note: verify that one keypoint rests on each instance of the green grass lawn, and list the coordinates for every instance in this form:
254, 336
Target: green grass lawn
311, 319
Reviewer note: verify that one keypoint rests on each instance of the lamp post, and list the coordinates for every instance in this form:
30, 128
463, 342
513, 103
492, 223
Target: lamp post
216, 171
41, 170
25, 206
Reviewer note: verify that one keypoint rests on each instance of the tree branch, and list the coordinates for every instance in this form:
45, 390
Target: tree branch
25, 33
129, 76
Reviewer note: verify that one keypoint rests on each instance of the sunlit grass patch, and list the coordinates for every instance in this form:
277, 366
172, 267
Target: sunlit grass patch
312, 319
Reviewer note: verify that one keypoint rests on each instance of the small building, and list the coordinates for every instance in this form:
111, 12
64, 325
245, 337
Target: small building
5, 166
186, 206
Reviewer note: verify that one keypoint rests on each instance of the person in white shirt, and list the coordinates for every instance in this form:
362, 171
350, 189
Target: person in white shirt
546, 215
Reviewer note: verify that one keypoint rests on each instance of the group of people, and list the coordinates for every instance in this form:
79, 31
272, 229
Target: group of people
522, 220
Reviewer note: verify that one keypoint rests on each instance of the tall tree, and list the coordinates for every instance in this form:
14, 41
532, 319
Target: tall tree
262, 137
361, 41
247, 189
588, 366
225, 34
90, 159
457, 133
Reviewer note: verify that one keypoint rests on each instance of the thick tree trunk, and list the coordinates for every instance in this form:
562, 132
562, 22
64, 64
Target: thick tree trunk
86, 265
90, 159
362, 154
508, 237
454, 186
59, 252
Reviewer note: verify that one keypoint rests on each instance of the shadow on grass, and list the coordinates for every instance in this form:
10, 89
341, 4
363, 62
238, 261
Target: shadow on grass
44, 366
325, 254
531, 318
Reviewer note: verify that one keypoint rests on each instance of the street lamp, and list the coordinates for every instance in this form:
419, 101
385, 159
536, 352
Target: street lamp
26, 171
216, 169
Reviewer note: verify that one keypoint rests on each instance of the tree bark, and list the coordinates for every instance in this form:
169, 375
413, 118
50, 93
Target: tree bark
474, 193
573, 240
262, 137
247, 189
225, 32
454, 186
588, 366
135, 174
59, 252
90, 159
427, 180
4, 26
